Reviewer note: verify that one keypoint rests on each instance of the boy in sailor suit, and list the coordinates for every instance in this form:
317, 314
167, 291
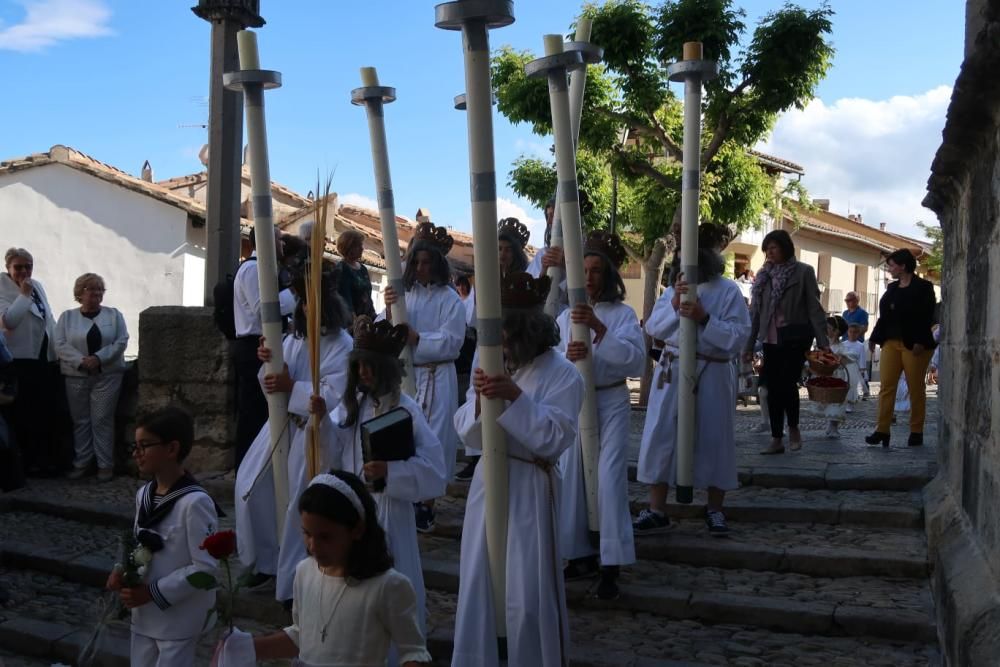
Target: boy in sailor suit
173, 516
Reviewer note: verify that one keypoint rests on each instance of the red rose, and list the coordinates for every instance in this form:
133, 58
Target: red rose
220, 545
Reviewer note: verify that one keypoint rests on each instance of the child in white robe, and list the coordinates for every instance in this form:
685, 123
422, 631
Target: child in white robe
724, 327
259, 545
349, 603
373, 388
174, 514
619, 353
437, 331
849, 371
542, 395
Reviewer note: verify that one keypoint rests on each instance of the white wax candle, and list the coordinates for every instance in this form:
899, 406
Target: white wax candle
246, 42
369, 77
553, 44
583, 28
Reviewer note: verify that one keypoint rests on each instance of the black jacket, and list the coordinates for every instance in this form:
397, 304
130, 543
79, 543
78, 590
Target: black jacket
911, 309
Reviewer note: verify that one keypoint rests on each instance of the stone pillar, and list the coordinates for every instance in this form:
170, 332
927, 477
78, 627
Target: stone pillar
963, 532
225, 137
184, 361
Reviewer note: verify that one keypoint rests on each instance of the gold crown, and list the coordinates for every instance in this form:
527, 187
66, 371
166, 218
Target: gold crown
379, 337
515, 230
522, 290
437, 236
607, 244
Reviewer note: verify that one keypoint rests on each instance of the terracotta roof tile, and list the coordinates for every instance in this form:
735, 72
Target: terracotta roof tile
75, 159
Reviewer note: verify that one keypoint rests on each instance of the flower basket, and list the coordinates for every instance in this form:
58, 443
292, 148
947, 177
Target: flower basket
823, 363
827, 390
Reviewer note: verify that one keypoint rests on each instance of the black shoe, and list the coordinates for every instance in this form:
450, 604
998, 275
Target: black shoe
466, 473
425, 518
581, 568
716, 522
287, 605
649, 522
916, 440
607, 589
878, 438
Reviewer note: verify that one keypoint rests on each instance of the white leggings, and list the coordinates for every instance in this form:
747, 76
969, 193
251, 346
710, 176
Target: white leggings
149, 652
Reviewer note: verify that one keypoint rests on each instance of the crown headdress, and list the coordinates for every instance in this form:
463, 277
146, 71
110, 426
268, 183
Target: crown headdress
607, 244
379, 337
515, 230
437, 236
522, 290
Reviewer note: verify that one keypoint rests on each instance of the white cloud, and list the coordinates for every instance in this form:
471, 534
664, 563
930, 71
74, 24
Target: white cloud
358, 200
47, 22
869, 157
507, 208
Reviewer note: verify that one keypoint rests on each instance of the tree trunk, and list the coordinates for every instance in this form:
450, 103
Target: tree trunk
652, 270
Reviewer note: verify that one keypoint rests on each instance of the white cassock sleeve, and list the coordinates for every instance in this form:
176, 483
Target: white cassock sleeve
422, 476
333, 371
622, 351
293, 630
546, 424
663, 322
199, 520
334, 441
398, 613
728, 329
444, 342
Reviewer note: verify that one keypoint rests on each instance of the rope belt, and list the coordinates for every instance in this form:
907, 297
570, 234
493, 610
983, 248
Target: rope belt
603, 387
548, 467
428, 388
667, 361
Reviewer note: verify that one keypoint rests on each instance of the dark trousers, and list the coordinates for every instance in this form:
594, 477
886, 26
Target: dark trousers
782, 370
35, 413
251, 406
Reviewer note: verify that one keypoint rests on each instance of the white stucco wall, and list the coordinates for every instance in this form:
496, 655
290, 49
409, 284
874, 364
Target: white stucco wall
73, 223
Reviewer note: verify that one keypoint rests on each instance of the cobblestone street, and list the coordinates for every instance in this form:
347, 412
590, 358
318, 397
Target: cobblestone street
826, 564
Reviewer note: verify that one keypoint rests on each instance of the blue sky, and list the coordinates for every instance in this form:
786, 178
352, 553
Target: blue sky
117, 78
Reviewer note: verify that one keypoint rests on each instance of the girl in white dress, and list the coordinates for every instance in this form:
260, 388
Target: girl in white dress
437, 331
373, 389
349, 604
259, 546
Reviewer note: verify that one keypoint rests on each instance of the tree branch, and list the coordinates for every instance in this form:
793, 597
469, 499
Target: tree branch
646, 169
721, 131
670, 147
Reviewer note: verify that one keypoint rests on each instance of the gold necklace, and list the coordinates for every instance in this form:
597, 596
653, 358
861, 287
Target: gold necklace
336, 604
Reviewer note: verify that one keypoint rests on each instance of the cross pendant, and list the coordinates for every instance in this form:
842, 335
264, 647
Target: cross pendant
322, 635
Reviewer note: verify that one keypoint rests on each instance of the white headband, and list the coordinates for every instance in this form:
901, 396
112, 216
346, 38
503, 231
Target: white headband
341, 487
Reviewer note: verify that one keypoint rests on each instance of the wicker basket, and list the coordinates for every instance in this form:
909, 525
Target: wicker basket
827, 395
825, 370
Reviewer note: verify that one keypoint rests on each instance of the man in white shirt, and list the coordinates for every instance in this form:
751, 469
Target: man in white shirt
251, 406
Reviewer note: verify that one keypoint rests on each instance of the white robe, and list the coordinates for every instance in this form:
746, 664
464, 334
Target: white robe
437, 313
541, 423
421, 477
722, 338
850, 372
619, 355
256, 519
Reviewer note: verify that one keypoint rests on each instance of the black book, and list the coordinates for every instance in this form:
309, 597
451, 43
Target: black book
388, 437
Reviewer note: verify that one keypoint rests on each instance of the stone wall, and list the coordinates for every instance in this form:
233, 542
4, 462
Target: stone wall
184, 361
963, 523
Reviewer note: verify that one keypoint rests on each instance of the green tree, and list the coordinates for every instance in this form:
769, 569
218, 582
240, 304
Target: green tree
627, 95
932, 261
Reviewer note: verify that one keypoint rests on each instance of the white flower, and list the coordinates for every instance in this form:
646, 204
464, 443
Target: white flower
142, 570
142, 556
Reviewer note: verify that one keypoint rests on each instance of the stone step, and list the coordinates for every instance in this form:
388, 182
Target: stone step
683, 588
890, 608
645, 639
897, 509
818, 549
